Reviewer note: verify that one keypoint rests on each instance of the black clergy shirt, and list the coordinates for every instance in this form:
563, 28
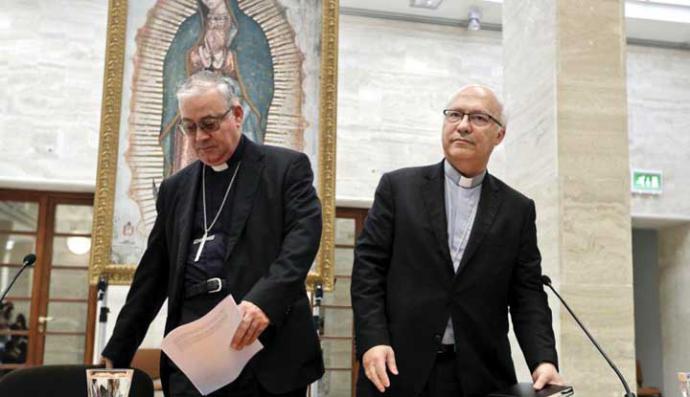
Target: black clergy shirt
212, 260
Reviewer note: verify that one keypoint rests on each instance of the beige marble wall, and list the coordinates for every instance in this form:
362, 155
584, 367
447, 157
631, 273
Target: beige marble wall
674, 290
596, 261
52, 68
394, 80
530, 137
659, 122
565, 77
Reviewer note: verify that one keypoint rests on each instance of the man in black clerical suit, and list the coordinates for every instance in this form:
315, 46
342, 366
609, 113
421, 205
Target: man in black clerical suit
446, 252
244, 220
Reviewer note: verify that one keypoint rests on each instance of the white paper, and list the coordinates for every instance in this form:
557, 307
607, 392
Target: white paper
201, 349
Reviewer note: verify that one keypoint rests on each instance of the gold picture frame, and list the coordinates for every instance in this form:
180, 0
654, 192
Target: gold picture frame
110, 129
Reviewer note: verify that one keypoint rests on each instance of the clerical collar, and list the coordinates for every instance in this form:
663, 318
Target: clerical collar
236, 156
458, 179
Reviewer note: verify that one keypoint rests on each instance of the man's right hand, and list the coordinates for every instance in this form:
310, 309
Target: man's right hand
106, 362
375, 361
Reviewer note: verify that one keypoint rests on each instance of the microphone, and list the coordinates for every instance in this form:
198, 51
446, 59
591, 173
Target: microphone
547, 281
28, 261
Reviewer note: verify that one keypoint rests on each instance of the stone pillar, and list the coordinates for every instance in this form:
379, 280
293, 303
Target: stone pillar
674, 303
567, 148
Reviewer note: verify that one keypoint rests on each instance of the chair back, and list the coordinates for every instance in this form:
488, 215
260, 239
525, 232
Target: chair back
62, 380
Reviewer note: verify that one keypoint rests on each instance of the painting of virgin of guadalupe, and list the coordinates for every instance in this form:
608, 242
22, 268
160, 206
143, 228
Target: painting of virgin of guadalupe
220, 38
269, 52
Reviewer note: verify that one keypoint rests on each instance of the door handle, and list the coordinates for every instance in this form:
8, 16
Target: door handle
42, 320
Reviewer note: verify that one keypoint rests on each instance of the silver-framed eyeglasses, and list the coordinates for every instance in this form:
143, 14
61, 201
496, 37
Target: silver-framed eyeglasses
207, 124
477, 119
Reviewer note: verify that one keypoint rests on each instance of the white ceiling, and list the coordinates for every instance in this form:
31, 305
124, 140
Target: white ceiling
663, 24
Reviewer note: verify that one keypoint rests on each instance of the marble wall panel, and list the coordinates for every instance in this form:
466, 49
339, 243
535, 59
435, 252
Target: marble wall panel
576, 103
394, 80
50, 109
674, 295
605, 312
529, 57
659, 122
596, 259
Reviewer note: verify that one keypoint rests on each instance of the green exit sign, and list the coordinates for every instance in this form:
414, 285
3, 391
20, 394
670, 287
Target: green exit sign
649, 182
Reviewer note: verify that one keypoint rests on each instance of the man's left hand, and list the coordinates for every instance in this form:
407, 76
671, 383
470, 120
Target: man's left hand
546, 374
254, 322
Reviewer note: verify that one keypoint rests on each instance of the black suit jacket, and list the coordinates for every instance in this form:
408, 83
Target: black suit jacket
274, 237
404, 287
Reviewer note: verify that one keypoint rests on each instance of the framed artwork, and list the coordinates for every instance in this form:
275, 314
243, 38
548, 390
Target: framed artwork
281, 59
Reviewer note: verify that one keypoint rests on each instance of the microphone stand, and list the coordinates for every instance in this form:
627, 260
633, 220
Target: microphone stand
318, 325
28, 261
102, 297
547, 281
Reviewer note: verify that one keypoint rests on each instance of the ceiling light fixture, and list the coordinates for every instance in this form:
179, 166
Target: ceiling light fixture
473, 17
78, 245
429, 4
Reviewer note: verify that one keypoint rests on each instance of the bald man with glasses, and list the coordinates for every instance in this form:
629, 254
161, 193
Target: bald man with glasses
243, 220
447, 251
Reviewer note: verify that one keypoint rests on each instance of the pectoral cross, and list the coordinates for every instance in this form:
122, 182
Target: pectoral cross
203, 241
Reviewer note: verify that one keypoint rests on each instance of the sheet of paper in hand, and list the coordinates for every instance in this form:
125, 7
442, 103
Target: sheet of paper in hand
201, 349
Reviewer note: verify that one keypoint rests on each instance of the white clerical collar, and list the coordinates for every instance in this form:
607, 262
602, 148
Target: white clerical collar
220, 167
458, 179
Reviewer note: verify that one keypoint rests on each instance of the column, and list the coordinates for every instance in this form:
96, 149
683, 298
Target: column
567, 148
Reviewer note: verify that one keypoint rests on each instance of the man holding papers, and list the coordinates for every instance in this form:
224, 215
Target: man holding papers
244, 220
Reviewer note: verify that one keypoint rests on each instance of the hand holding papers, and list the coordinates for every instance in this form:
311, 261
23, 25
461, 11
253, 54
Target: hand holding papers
254, 322
201, 349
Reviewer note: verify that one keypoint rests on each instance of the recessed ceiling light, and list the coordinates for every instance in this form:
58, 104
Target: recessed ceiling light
78, 245
430, 4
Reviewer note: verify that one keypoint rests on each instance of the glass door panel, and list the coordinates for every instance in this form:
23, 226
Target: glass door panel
69, 284
63, 349
72, 251
18, 224
336, 312
66, 317
73, 219
18, 216
65, 321
336, 383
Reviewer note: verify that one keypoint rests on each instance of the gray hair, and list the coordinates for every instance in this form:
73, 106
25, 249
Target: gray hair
201, 82
502, 112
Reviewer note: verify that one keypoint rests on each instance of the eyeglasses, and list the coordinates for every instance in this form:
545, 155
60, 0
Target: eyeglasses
208, 124
477, 119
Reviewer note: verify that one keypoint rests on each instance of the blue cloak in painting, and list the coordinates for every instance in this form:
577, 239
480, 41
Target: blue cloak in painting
251, 73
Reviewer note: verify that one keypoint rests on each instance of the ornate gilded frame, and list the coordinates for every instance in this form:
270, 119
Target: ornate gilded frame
122, 274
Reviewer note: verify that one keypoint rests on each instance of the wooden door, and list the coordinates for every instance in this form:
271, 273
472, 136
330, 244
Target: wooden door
45, 315
336, 310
